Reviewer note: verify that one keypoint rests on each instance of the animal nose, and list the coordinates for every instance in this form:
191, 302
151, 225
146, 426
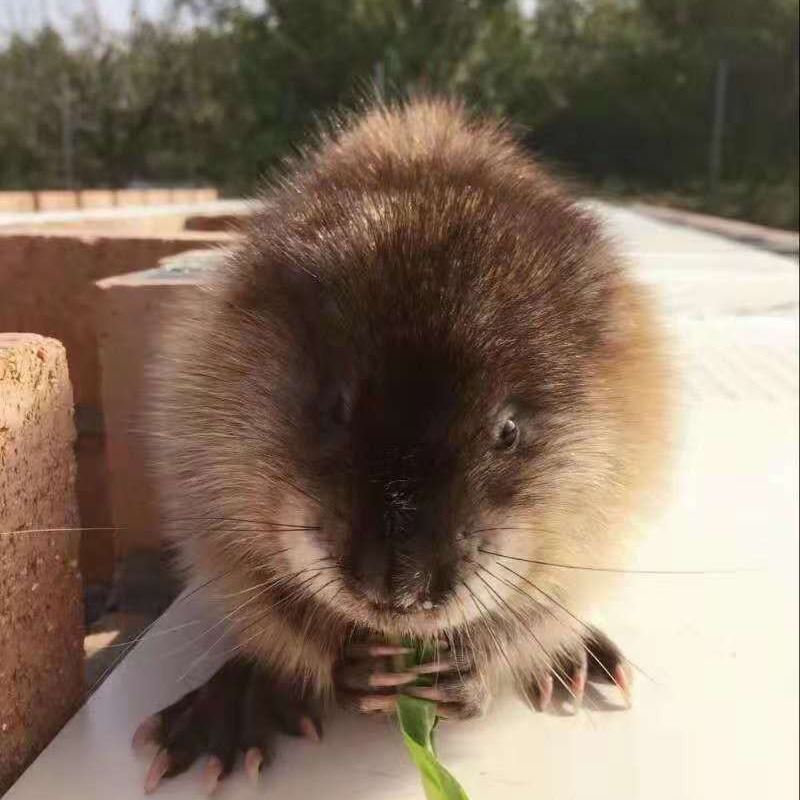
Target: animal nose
370, 571
438, 586
424, 590
404, 591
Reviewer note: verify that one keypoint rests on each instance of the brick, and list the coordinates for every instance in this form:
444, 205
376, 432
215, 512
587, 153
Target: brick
55, 200
95, 198
214, 222
14, 202
206, 195
60, 200
183, 196
47, 286
41, 610
137, 223
158, 197
129, 197
131, 308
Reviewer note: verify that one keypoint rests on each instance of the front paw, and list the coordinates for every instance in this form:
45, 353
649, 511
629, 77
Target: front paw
370, 677
595, 659
239, 710
458, 695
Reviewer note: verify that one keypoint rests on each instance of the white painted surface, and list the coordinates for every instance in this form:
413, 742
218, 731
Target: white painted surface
719, 717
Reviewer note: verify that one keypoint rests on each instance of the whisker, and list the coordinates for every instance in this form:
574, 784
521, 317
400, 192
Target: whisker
487, 624
502, 528
219, 622
577, 619
467, 625
550, 611
468, 635
254, 531
550, 658
539, 529
259, 585
61, 530
314, 610
153, 635
132, 643
274, 527
206, 518
264, 588
114, 662
203, 656
612, 569
292, 485
223, 574
451, 627
127, 646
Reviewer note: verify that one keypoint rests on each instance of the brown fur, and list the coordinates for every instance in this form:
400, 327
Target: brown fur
413, 250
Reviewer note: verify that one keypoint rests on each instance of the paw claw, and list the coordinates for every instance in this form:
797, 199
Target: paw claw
146, 732
367, 650
158, 768
253, 759
309, 729
212, 774
445, 711
578, 685
381, 680
594, 658
425, 693
623, 681
434, 667
545, 693
369, 704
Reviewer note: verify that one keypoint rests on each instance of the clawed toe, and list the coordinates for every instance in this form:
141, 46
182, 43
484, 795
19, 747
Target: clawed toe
159, 767
599, 660
238, 711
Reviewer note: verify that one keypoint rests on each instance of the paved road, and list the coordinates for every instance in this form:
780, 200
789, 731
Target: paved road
717, 716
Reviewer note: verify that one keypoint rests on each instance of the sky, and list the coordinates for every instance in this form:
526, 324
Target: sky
27, 15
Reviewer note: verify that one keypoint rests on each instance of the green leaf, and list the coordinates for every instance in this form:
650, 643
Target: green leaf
417, 720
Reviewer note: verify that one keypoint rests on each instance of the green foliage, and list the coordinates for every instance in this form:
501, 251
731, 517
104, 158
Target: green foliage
609, 90
417, 720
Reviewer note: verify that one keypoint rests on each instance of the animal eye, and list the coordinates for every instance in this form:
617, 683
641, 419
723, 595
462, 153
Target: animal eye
508, 434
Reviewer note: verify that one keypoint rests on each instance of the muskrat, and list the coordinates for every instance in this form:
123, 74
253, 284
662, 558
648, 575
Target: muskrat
421, 388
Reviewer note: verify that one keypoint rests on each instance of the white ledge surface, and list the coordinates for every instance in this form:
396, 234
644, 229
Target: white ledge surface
717, 714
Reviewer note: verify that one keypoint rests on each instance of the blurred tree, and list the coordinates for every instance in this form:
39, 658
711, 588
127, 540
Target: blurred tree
615, 91
31, 87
